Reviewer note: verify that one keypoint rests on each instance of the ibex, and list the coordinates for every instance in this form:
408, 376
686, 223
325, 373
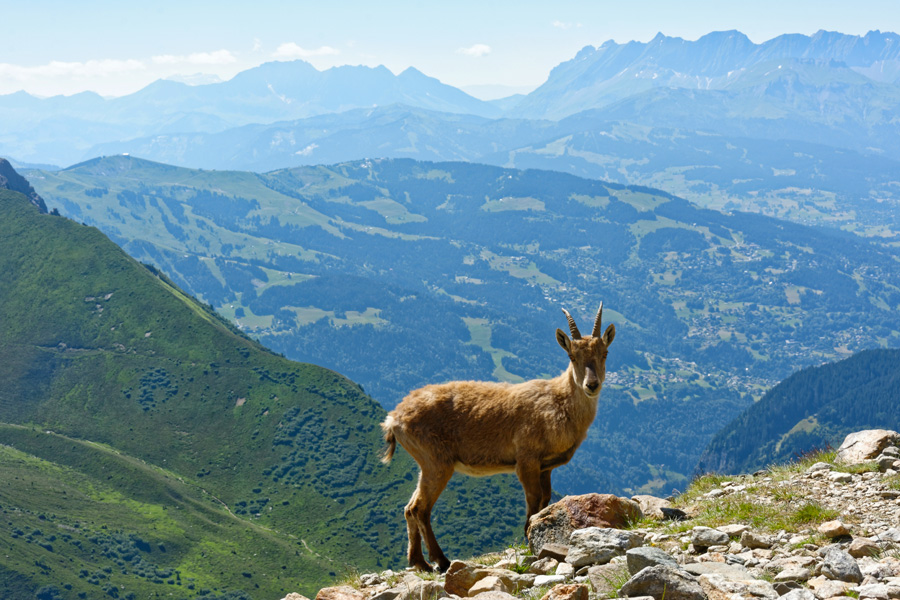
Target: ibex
482, 428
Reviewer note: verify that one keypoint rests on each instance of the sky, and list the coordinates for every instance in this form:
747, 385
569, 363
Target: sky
116, 47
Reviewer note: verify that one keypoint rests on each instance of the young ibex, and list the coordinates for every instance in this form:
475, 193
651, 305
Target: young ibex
480, 428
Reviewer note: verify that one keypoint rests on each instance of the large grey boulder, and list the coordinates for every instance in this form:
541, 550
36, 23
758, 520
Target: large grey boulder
663, 582
599, 545
556, 523
841, 566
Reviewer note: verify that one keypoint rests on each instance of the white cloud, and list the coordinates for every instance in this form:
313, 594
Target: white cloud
563, 25
292, 50
56, 68
475, 50
219, 57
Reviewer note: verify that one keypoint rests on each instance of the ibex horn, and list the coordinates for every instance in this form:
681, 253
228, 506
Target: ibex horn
572, 326
597, 321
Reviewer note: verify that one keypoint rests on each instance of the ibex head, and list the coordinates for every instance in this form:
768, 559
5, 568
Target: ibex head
588, 354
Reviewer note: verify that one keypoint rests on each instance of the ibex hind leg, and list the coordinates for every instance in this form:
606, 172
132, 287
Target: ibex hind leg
418, 519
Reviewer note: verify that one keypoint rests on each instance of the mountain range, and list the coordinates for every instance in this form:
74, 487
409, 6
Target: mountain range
438, 271
799, 127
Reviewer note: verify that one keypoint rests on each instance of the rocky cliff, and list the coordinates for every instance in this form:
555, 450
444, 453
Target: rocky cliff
826, 526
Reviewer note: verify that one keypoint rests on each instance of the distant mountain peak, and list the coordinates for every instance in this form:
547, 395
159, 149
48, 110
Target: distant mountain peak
11, 180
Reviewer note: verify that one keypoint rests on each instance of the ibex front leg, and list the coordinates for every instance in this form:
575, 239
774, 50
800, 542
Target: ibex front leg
529, 473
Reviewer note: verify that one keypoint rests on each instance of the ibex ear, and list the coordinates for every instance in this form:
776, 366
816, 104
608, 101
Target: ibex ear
609, 335
564, 341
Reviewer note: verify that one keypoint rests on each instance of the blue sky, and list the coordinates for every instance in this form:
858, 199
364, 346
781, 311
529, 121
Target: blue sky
116, 47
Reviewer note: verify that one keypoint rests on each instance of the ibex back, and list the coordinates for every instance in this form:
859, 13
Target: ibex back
481, 428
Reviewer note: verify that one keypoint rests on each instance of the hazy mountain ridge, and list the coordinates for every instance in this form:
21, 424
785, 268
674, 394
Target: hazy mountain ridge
435, 271
148, 444
812, 409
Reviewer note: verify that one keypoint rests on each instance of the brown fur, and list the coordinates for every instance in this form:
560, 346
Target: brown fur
482, 428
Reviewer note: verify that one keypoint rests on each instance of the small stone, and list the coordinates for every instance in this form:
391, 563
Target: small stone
734, 530
730, 572
828, 588
652, 506
885, 462
598, 545
673, 514
495, 595
566, 570
648, 556
719, 587
488, 584
820, 466
833, 529
839, 477
340, 592
663, 582
543, 566
295, 596
753, 540
422, 590
548, 579
876, 591
799, 594
570, 591
861, 547
704, 537
794, 574
551, 550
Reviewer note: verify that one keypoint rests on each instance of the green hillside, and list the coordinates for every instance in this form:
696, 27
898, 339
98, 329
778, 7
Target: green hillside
148, 444
812, 409
440, 271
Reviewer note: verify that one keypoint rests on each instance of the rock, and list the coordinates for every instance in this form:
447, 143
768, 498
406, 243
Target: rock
794, 574
570, 591
878, 591
606, 579
734, 530
648, 556
886, 462
828, 588
839, 477
753, 540
861, 547
704, 537
295, 596
819, 466
495, 596
389, 594
799, 594
598, 545
719, 587
652, 506
833, 529
673, 514
460, 577
491, 583
841, 566
422, 590
556, 523
543, 566
732, 572
551, 550
865, 445
565, 569
340, 592
663, 582
541, 580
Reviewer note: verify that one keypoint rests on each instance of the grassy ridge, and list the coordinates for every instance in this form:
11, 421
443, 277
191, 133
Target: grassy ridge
161, 409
